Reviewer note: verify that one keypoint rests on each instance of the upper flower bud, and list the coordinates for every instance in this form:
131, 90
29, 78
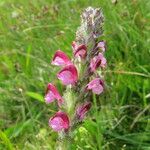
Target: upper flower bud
102, 45
59, 121
68, 75
98, 61
96, 85
52, 94
60, 59
82, 110
91, 26
79, 50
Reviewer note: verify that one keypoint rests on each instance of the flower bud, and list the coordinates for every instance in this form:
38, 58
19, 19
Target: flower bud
60, 59
98, 61
96, 85
79, 50
102, 45
59, 122
82, 110
68, 75
52, 94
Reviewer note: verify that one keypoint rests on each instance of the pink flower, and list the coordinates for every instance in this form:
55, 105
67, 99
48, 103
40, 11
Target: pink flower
102, 45
98, 61
59, 122
52, 94
96, 85
82, 110
79, 50
68, 75
60, 59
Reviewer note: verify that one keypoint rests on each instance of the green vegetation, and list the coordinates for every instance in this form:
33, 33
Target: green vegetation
31, 31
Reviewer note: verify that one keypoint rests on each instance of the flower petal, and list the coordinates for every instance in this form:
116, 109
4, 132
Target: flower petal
68, 75
96, 85
79, 50
102, 46
98, 61
60, 121
82, 110
60, 59
52, 94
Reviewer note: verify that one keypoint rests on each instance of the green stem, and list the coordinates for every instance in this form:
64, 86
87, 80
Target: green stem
64, 144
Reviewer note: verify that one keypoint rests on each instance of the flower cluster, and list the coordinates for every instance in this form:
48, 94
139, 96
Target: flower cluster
81, 77
68, 75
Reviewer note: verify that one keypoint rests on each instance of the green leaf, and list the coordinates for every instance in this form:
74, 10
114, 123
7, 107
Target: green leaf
6, 141
36, 96
17, 129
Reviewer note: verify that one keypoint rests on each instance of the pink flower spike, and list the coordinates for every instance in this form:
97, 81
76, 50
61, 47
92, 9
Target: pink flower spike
68, 75
98, 61
59, 122
96, 85
52, 94
79, 50
82, 110
102, 45
60, 59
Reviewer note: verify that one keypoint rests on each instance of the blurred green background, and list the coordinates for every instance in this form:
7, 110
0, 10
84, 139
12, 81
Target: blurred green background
30, 33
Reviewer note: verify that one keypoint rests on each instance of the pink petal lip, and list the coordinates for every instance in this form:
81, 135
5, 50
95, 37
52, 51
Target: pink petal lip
98, 61
68, 75
60, 59
82, 110
52, 94
79, 50
60, 121
96, 85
